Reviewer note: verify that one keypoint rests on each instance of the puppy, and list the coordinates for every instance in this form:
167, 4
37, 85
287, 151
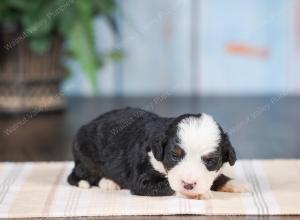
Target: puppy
152, 155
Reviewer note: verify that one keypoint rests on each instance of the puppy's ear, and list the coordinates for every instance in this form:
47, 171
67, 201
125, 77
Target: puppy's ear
228, 151
158, 144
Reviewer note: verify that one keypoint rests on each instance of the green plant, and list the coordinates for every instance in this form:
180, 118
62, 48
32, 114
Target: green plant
40, 20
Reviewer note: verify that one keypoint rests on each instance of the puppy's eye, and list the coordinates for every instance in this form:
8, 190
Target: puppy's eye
174, 155
210, 159
177, 153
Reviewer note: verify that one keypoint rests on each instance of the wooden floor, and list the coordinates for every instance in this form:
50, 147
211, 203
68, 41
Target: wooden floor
260, 127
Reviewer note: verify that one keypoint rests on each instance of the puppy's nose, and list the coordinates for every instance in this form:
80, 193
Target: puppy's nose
188, 186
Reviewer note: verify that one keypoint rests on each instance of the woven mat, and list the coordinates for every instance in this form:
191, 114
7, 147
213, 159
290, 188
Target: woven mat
40, 190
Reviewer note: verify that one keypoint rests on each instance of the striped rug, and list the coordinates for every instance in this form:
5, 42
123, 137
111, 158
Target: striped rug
40, 190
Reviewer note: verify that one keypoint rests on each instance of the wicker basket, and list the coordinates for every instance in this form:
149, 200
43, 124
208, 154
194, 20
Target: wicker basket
28, 81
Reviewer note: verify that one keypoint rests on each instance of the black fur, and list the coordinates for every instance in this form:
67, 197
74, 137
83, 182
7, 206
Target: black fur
116, 144
219, 182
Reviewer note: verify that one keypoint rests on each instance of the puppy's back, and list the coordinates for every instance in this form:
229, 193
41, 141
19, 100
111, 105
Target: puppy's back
106, 129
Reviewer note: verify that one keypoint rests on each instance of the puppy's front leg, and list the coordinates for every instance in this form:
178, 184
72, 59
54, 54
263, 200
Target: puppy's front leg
225, 184
151, 184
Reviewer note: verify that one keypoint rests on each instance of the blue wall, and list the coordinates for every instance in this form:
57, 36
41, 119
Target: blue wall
189, 47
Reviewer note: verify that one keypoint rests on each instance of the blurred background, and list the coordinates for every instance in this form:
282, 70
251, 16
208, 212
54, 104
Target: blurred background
73, 59
200, 48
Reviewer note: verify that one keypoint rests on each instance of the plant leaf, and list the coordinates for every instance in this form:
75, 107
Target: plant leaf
84, 52
40, 44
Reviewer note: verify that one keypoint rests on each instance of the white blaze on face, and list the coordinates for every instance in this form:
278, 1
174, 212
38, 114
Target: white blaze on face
197, 136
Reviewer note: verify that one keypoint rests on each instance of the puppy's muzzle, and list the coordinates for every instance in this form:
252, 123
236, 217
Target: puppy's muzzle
188, 186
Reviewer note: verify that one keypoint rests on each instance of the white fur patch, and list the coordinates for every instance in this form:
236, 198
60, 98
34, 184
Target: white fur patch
197, 137
157, 165
199, 134
108, 185
84, 184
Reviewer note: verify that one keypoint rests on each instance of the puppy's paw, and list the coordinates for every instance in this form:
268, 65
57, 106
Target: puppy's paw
108, 185
204, 196
84, 184
234, 186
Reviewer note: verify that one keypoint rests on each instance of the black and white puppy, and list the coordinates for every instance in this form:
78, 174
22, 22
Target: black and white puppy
152, 155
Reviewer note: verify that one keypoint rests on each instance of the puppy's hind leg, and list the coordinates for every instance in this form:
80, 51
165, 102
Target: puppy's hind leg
108, 185
82, 178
